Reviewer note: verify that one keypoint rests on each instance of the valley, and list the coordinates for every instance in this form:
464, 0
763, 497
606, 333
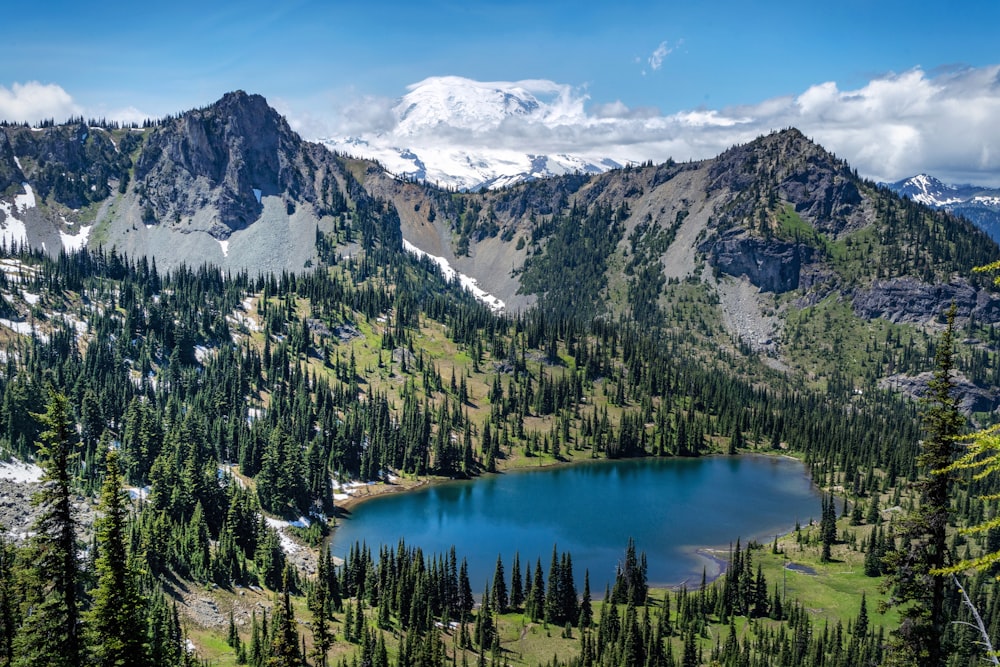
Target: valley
253, 328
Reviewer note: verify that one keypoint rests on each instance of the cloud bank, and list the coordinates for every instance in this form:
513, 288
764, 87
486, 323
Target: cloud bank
942, 122
33, 102
897, 125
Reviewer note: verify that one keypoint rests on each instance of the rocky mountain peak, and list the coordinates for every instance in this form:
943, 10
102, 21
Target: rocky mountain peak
787, 166
232, 153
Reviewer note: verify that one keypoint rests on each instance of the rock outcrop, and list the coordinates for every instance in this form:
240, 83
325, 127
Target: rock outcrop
971, 398
209, 170
909, 300
771, 265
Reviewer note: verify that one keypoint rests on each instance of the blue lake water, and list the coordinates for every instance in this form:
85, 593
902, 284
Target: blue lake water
670, 507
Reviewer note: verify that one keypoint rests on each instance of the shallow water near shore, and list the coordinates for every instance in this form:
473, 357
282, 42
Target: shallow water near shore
670, 507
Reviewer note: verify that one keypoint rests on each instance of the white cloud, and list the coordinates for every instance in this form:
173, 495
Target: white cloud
896, 125
656, 58
34, 101
129, 114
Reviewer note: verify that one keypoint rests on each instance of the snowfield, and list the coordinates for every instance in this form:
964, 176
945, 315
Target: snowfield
467, 282
75, 242
20, 472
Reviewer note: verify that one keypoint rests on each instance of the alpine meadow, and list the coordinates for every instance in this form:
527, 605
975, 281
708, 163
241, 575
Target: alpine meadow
217, 340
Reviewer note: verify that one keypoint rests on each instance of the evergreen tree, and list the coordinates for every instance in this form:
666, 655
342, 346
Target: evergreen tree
50, 635
827, 527
8, 611
535, 606
118, 610
586, 611
914, 586
319, 602
500, 588
516, 587
285, 644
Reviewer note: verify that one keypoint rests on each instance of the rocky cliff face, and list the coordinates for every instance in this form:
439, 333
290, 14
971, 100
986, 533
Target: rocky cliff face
910, 300
10, 173
227, 158
229, 184
773, 266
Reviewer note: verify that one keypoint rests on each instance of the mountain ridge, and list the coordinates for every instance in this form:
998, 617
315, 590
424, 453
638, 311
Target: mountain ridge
757, 236
980, 205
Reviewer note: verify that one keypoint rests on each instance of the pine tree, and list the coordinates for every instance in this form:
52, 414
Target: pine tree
318, 604
118, 610
914, 586
827, 527
873, 555
50, 634
535, 606
8, 611
516, 588
586, 611
285, 644
500, 588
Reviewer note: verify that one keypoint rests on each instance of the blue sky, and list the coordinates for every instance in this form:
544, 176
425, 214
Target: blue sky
315, 60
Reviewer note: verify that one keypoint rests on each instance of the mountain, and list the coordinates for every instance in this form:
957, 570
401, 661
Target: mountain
780, 213
978, 204
442, 132
774, 251
775, 247
229, 184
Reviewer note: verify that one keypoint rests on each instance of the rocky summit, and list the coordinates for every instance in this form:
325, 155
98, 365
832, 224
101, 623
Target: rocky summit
230, 184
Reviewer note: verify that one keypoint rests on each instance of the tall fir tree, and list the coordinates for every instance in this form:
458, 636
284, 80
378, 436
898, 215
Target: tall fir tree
50, 635
285, 643
319, 605
118, 610
914, 587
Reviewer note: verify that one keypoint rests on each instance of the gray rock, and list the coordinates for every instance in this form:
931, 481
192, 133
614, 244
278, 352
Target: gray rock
773, 266
971, 397
909, 300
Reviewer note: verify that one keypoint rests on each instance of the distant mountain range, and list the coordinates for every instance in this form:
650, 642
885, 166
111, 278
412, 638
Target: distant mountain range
977, 204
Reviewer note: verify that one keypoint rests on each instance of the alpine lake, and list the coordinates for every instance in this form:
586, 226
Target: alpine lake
682, 513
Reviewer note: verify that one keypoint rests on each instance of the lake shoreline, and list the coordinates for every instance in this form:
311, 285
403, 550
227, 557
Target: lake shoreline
601, 488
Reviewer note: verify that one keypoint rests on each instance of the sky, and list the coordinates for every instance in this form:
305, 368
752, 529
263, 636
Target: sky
893, 87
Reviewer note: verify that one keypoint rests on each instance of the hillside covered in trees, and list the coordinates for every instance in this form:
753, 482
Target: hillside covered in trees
231, 398
221, 416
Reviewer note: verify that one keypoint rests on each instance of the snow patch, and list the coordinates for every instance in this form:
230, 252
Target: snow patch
138, 493
14, 269
32, 299
287, 544
75, 242
23, 202
467, 282
225, 247
14, 229
23, 328
79, 325
257, 194
18, 471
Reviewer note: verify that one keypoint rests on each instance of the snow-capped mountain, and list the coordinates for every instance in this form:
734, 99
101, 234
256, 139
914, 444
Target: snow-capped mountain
464, 134
977, 204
